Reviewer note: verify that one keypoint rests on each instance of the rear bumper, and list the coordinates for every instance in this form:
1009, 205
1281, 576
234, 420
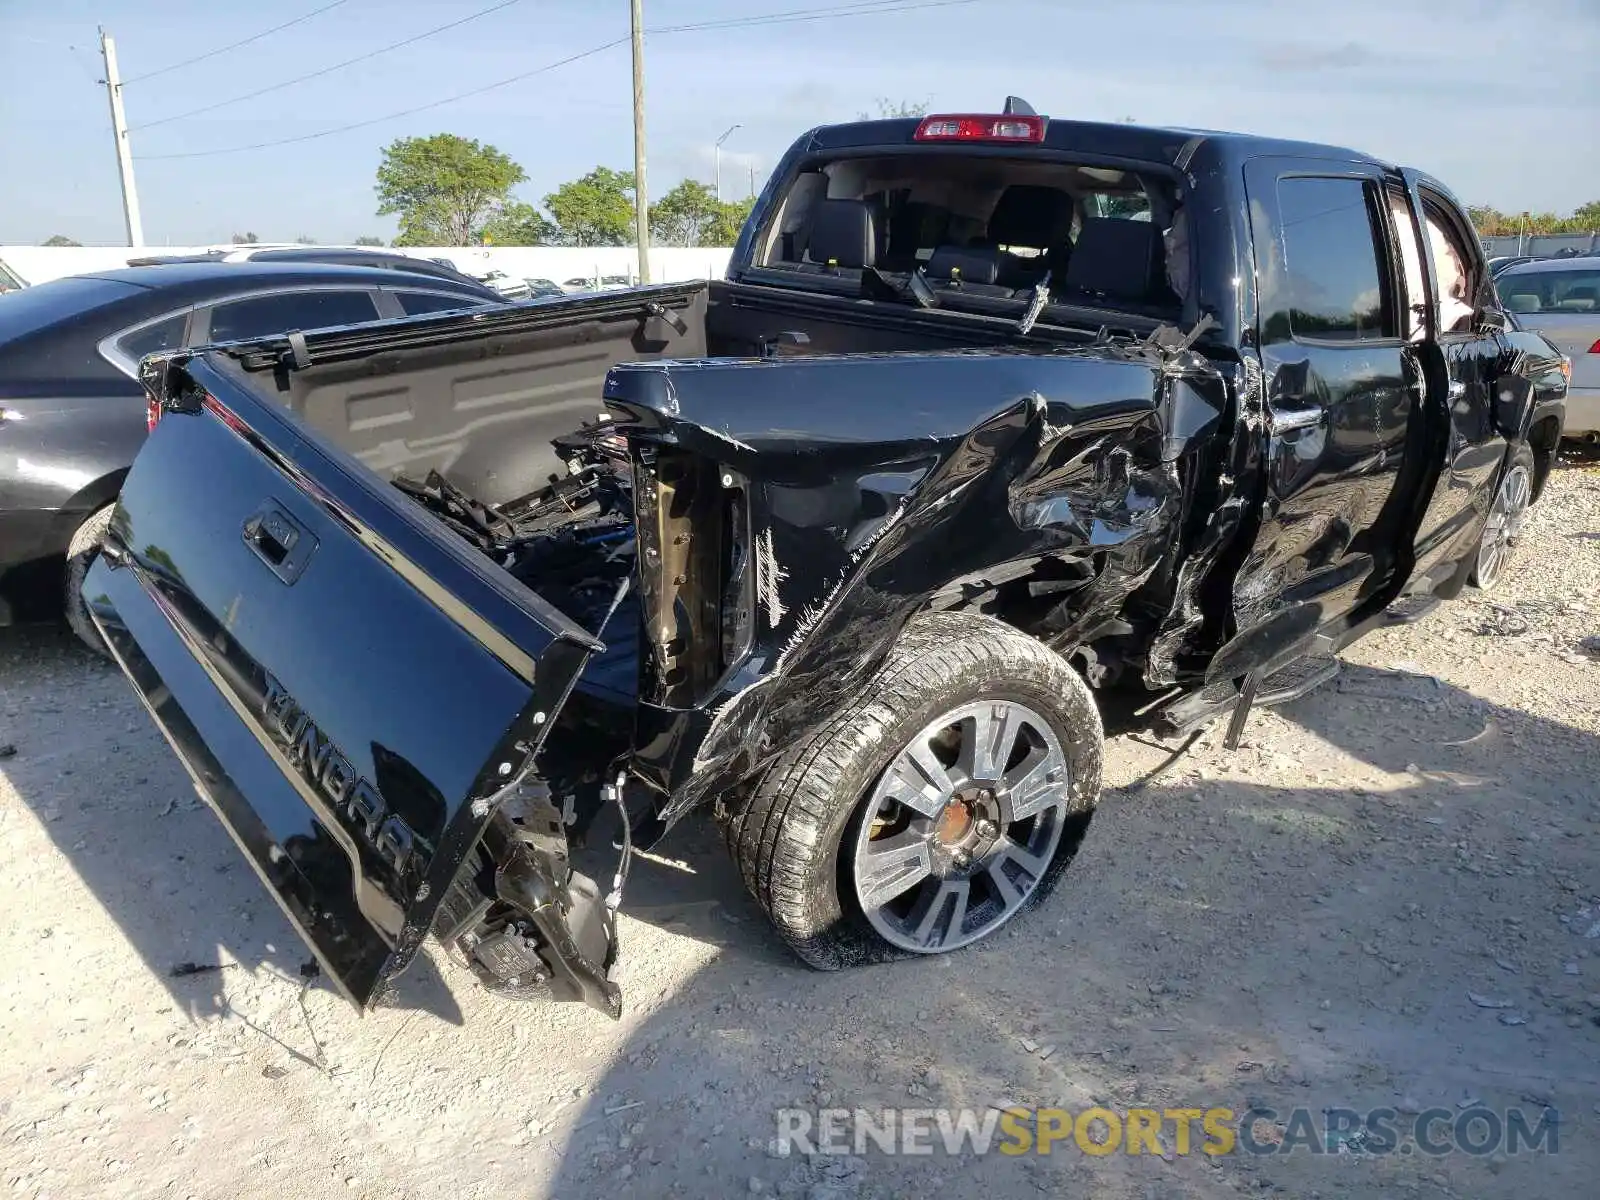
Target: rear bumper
1583, 411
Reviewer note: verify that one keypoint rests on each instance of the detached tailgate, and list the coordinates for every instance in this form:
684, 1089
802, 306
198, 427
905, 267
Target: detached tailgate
346, 681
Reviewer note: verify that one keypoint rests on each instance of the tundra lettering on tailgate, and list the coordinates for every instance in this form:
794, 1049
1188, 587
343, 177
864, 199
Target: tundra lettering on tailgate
356, 801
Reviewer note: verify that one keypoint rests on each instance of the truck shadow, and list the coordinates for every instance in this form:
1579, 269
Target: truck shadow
114, 801
1246, 929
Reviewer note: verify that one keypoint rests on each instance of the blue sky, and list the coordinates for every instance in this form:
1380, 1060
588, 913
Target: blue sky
1499, 101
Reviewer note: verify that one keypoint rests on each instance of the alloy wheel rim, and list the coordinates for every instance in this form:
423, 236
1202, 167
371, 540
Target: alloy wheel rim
961, 827
1504, 527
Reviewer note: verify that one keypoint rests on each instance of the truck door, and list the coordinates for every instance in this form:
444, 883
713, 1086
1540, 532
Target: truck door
1341, 384
1449, 291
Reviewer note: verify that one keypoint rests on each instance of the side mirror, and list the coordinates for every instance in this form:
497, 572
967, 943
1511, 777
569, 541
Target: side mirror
1494, 320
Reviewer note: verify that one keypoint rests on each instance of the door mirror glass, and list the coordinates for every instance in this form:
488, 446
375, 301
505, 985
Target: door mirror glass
1492, 320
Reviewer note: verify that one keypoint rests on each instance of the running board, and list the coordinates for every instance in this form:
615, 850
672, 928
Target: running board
1289, 682
1408, 610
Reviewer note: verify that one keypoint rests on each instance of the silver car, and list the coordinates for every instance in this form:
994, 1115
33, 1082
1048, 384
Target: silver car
1560, 298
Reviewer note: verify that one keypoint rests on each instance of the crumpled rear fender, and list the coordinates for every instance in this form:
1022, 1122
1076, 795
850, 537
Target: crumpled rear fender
1049, 507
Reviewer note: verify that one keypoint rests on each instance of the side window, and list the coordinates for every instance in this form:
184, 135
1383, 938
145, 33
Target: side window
1457, 288
265, 316
1332, 280
416, 303
163, 335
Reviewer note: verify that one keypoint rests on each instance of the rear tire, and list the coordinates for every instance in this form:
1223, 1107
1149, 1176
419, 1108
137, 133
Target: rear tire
81, 553
1507, 515
808, 854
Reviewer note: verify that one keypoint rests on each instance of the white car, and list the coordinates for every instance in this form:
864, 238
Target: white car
1560, 298
510, 288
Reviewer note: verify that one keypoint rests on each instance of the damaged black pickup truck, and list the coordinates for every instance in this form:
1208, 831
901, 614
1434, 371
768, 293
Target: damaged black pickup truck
996, 425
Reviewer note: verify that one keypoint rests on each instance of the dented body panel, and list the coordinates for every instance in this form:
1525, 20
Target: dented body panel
1046, 490
786, 475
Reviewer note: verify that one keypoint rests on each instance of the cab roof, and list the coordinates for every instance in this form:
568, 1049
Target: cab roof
1171, 146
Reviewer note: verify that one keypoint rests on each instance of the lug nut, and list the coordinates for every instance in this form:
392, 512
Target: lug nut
987, 829
961, 859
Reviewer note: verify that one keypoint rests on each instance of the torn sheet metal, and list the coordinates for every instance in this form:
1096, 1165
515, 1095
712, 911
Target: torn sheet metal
1044, 490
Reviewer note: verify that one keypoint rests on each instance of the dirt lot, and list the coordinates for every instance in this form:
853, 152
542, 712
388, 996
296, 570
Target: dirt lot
1389, 897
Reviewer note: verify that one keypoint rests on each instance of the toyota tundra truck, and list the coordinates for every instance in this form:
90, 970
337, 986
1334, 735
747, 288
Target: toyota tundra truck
999, 429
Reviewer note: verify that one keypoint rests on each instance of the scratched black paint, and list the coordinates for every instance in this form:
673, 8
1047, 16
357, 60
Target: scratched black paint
1171, 517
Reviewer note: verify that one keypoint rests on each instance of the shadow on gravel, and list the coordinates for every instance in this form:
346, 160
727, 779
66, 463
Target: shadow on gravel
1306, 937
112, 797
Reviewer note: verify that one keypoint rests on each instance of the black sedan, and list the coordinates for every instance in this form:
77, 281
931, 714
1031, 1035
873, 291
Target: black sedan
72, 412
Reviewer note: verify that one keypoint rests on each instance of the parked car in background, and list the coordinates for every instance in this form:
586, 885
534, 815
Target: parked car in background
72, 410
544, 287
611, 283
505, 286
1560, 298
1507, 261
348, 256
9, 282
580, 283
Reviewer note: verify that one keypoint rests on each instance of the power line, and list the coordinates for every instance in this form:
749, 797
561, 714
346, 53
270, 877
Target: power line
308, 137
871, 8
194, 112
254, 37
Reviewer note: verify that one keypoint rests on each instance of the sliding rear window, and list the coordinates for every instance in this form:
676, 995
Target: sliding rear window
986, 225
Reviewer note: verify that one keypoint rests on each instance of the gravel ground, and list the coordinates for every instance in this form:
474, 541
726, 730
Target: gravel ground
1388, 896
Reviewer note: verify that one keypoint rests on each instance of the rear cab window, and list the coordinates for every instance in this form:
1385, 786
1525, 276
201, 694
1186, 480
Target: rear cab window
984, 231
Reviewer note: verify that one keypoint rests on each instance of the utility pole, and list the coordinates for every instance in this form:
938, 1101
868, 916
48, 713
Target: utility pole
752, 181
716, 162
119, 131
641, 196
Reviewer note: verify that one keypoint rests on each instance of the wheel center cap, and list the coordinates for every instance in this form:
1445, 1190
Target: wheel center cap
955, 822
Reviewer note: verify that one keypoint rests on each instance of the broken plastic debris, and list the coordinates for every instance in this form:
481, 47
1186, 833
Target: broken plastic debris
1487, 1001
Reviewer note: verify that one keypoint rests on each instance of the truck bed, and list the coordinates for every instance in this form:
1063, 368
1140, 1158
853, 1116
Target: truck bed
537, 372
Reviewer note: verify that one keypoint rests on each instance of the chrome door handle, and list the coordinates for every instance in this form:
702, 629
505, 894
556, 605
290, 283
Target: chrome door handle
1287, 420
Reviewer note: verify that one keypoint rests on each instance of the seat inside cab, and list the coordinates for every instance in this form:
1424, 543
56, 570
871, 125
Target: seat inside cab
988, 227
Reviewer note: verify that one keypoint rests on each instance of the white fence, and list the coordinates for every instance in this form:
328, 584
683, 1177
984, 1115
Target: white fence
37, 264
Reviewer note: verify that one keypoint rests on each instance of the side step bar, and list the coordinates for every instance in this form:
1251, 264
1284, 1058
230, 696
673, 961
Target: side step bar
1408, 610
1289, 682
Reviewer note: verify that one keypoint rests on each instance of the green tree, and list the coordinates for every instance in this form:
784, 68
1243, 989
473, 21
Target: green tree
731, 216
596, 210
889, 109
519, 224
368, 240
305, 239
1489, 222
245, 239
60, 240
443, 187
1587, 216
684, 215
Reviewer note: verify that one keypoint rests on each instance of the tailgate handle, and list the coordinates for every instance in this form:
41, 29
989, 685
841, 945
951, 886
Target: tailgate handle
279, 540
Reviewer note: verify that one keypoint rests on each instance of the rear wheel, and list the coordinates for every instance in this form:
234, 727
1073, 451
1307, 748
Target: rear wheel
1507, 514
943, 802
81, 553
